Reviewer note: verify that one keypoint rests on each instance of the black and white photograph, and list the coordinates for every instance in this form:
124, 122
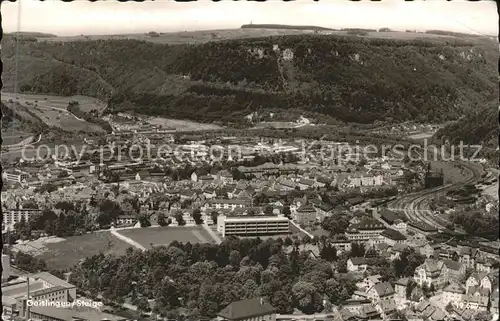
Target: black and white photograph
271, 160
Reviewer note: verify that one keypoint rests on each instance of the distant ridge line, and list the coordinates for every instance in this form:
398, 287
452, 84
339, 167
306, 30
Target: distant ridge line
278, 26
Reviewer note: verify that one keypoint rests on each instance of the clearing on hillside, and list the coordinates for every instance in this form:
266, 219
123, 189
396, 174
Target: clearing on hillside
52, 110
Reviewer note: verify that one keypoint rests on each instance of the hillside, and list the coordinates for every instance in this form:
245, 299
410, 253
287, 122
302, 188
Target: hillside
353, 79
475, 128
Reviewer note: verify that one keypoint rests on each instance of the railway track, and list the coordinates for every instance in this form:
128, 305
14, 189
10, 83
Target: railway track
413, 205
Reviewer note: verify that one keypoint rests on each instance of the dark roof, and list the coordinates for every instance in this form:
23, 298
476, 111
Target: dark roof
384, 289
369, 224
358, 260
452, 265
306, 208
356, 200
246, 309
423, 226
393, 235
388, 216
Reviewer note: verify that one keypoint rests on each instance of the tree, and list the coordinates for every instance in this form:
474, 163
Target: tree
306, 297
143, 305
197, 216
357, 250
335, 224
161, 219
214, 216
328, 252
287, 212
144, 221
179, 218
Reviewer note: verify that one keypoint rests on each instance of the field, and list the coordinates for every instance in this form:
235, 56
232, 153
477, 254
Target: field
225, 34
67, 253
421, 135
52, 110
157, 236
13, 137
181, 125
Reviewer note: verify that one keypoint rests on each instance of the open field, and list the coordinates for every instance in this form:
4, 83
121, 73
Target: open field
181, 125
422, 135
203, 36
492, 191
276, 124
158, 236
13, 137
52, 110
61, 102
67, 253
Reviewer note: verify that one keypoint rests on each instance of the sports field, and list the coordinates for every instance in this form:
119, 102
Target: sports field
157, 236
68, 252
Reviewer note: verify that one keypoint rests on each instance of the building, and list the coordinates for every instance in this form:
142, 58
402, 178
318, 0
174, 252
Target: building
452, 293
454, 270
468, 256
430, 273
421, 227
13, 216
16, 177
306, 215
248, 310
341, 245
368, 230
246, 225
400, 288
392, 237
427, 250
217, 204
381, 292
42, 286
356, 264
479, 280
433, 179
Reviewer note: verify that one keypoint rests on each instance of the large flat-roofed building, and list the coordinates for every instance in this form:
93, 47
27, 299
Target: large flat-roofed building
42, 286
252, 225
13, 216
17, 177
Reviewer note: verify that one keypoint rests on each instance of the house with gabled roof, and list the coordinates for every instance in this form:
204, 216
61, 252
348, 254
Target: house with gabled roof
357, 264
382, 291
430, 273
468, 256
306, 214
255, 309
454, 270
392, 237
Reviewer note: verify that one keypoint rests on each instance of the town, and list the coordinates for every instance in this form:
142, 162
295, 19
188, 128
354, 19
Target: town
210, 161
344, 209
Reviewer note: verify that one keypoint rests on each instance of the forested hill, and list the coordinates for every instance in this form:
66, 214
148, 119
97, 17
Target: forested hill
351, 78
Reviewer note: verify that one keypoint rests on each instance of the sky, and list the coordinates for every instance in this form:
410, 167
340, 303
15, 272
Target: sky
113, 17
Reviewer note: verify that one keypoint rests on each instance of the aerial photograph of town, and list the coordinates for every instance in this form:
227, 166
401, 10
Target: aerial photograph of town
245, 161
